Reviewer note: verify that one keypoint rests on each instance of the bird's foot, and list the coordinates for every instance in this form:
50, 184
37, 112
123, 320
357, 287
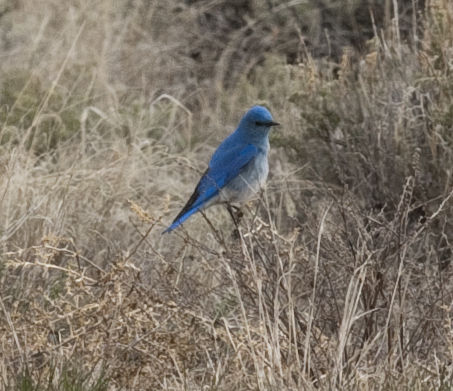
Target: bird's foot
236, 234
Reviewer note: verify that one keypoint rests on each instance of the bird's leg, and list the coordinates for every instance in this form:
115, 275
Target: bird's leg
231, 212
236, 218
239, 213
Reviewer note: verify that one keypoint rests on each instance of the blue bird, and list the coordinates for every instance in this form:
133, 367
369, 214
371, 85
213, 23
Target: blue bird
238, 168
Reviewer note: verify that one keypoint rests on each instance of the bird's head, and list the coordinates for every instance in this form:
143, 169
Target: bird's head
258, 118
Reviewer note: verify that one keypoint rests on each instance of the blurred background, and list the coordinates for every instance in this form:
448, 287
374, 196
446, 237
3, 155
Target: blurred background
342, 277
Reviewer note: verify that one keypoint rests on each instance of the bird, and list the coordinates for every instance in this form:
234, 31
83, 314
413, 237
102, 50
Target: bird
237, 170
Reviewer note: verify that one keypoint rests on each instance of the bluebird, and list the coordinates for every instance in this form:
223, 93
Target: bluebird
238, 168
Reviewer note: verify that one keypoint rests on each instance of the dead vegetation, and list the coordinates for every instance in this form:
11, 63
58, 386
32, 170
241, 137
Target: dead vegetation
342, 276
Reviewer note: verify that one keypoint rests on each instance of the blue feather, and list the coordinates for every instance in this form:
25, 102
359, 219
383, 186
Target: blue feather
239, 166
221, 171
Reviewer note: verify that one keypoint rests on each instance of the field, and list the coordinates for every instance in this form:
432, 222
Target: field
341, 277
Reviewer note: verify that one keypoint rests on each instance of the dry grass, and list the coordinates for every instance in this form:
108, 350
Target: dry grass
342, 276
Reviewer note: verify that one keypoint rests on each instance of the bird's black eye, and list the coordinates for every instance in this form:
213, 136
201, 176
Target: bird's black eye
258, 123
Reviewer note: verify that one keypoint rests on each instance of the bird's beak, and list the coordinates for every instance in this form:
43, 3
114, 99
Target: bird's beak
272, 123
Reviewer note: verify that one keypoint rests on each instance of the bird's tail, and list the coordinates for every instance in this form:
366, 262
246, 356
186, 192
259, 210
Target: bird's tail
181, 218
191, 208
201, 195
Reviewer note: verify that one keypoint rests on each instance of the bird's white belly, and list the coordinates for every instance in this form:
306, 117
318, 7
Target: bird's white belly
246, 186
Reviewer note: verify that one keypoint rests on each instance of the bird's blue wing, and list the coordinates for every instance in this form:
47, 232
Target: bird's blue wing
220, 172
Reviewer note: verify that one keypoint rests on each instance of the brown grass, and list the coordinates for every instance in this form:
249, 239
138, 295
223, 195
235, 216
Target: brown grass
342, 275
